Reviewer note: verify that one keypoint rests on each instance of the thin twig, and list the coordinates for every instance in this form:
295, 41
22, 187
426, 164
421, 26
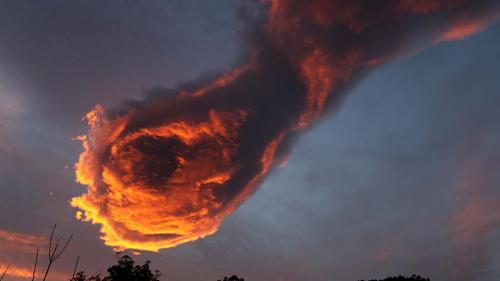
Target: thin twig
76, 266
51, 236
55, 253
64, 248
34, 268
5, 272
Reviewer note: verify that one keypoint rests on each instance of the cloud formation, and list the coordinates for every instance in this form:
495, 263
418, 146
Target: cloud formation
15, 247
169, 169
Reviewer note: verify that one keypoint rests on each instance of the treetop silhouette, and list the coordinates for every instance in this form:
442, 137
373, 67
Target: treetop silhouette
124, 270
232, 278
402, 278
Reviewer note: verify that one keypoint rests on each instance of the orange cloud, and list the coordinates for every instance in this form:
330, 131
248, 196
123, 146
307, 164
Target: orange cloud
169, 170
18, 250
27, 272
466, 27
19, 242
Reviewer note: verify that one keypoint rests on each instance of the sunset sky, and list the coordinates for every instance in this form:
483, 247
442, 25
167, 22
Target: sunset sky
399, 177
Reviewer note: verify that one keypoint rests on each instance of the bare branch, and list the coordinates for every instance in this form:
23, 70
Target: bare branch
34, 268
64, 248
76, 266
55, 253
5, 272
51, 236
56, 246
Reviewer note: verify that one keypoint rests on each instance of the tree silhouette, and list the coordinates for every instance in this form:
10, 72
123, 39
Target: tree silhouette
127, 270
232, 278
79, 276
124, 270
402, 278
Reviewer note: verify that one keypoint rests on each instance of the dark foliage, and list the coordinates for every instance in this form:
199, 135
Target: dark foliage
402, 278
125, 270
232, 278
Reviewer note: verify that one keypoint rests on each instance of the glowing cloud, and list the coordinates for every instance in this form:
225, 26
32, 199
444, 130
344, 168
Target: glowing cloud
169, 169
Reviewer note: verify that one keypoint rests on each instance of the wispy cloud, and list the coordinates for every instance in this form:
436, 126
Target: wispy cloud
475, 221
18, 252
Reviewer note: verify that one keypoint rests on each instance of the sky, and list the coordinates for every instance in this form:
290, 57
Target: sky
400, 178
